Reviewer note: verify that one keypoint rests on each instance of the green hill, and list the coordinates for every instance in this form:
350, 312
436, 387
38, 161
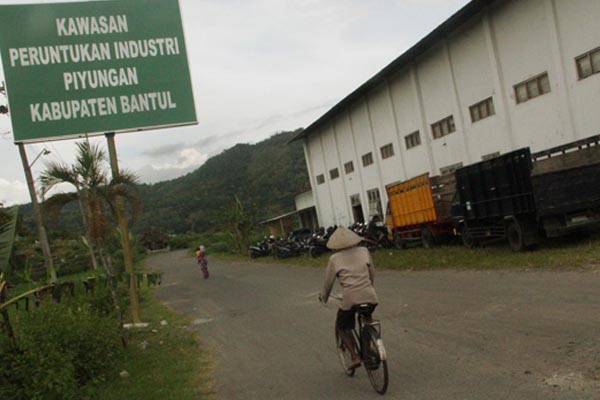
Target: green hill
265, 176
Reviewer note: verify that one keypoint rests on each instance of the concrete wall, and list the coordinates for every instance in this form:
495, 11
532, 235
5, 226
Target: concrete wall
508, 43
304, 200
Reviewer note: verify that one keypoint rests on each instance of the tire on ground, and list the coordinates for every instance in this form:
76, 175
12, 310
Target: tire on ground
428, 238
514, 236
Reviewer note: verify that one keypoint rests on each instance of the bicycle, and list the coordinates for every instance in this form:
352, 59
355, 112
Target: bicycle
366, 337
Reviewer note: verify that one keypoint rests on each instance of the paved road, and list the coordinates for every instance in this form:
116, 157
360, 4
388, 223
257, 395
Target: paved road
449, 334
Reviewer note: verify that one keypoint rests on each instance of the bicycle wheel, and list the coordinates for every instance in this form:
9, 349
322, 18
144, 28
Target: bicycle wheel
375, 360
343, 354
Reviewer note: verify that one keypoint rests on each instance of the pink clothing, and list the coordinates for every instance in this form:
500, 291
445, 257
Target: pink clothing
201, 257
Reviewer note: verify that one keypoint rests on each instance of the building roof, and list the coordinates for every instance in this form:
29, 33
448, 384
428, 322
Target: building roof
471, 9
286, 215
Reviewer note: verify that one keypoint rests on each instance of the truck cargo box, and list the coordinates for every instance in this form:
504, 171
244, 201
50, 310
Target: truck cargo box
566, 184
495, 188
567, 191
421, 199
571, 155
443, 189
419, 209
411, 201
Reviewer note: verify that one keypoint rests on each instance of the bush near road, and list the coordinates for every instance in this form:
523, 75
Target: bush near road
71, 350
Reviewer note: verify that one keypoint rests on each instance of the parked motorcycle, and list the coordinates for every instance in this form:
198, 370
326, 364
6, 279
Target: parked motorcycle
317, 245
262, 248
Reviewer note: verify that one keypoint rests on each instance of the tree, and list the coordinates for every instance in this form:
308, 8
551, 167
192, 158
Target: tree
8, 223
97, 195
240, 225
154, 239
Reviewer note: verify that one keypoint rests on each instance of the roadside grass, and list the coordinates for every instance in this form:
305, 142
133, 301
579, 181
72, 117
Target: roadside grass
173, 365
564, 253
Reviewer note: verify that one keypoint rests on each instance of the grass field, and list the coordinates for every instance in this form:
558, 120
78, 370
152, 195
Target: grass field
172, 365
563, 253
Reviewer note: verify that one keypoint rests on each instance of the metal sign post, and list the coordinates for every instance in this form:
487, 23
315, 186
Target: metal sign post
37, 215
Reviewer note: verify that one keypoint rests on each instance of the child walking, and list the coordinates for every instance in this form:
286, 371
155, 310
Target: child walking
201, 256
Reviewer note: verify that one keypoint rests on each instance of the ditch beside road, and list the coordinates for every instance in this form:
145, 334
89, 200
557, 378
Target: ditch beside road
500, 334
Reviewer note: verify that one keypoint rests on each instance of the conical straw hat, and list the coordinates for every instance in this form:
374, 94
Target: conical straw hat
343, 238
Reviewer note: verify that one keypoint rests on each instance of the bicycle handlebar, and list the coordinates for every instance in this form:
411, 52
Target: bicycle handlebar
333, 296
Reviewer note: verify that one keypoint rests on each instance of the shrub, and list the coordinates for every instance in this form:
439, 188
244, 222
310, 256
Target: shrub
101, 301
60, 348
71, 257
184, 241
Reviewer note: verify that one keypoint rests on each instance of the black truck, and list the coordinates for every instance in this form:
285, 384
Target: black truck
524, 197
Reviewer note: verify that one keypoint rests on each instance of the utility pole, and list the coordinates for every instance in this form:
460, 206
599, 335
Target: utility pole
37, 215
122, 220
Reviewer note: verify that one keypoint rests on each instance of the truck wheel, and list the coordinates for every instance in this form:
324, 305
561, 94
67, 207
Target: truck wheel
467, 238
514, 235
428, 239
399, 242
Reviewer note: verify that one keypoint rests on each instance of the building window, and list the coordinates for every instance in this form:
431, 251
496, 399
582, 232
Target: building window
334, 173
450, 168
490, 156
588, 64
387, 151
374, 203
367, 159
482, 110
320, 179
443, 127
532, 88
349, 167
412, 140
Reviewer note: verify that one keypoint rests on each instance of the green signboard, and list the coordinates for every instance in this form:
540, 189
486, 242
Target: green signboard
95, 67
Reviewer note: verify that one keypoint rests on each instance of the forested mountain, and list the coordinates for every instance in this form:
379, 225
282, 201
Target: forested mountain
265, 176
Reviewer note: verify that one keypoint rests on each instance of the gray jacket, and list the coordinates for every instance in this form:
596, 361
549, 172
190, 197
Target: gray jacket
354, 269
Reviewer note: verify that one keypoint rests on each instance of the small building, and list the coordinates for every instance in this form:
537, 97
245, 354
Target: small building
498, 75
305, 207
305, 216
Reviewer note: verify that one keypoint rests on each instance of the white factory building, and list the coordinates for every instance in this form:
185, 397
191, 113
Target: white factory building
496, 76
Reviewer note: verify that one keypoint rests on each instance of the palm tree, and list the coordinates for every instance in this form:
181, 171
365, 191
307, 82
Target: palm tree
95, 192
8, 223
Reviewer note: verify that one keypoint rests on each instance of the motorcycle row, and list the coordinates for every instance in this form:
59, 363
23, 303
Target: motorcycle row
304, 242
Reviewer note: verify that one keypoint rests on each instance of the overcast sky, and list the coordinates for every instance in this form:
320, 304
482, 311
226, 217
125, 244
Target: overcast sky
258, 67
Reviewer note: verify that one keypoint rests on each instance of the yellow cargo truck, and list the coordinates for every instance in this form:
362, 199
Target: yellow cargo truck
419, 210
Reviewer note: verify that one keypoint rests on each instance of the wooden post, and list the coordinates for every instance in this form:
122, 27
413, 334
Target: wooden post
37, 216
122, 220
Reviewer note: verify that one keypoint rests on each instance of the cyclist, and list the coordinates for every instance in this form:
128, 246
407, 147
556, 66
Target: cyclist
353, 266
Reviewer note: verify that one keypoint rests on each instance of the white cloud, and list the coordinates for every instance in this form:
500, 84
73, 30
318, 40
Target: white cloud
14, 192
187, 158
149, 174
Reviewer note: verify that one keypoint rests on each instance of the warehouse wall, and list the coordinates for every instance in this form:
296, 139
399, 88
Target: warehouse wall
577, 25
509, 43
